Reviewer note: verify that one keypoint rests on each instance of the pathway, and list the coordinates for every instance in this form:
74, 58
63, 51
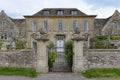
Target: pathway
51, 76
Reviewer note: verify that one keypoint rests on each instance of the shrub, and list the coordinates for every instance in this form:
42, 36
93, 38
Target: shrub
51, 54
102, 37
51, 59
113, 37
69, 52
1, 43
20, 45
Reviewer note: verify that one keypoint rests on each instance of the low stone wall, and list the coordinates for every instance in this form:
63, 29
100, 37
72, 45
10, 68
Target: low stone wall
102, 58
24, 58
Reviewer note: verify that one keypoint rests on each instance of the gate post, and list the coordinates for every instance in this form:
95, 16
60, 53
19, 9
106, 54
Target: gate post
78, 55
42, 55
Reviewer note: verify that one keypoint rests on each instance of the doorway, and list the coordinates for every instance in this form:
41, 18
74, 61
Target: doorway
60, 44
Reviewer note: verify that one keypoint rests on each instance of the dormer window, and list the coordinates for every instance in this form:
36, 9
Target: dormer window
46, 13
73, 13
59, 12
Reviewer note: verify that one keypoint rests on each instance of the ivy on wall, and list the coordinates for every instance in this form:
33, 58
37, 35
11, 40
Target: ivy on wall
69, 52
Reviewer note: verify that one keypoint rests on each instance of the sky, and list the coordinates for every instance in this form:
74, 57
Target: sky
19, 8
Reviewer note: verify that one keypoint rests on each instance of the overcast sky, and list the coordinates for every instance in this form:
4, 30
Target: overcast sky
18, 8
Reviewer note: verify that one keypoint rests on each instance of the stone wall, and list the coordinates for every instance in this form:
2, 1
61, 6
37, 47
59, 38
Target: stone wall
25, 59
102, 58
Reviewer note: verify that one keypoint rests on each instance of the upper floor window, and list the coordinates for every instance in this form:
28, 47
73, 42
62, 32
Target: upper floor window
73, 12
46, 13
60, 25
86, 25
45, 24
59, 12
2, 23
117, 25
34, 26
75, 24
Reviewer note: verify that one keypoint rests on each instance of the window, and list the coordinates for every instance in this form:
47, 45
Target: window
33, 44
117, 25
85, 26
46, 13
75, 24
59, 12
4, 36
34, 26
73, 12
60, 25
2, 23
45, 24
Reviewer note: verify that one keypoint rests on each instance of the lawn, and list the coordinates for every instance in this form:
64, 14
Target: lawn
11, 71
102, 73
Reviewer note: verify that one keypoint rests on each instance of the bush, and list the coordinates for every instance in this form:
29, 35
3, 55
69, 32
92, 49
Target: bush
51, 59
1, 43
69, 52
113, 37
102, 37
51, 54
20, 45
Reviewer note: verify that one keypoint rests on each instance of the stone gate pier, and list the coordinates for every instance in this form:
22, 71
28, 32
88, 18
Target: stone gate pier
78, 65
42, 55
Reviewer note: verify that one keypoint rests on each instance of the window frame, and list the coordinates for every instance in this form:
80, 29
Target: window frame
117, 25
34, 25
2, 23
73, 13
75, 24
60, 25
45, 24
4, 36
60, 13
46, 13
86, 26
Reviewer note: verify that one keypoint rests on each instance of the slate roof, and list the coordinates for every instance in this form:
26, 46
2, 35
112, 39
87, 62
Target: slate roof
19, 22
100, 22
66, 12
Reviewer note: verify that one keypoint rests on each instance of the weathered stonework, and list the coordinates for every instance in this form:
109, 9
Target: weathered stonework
102, 58
25, 59
42, 55
78, 56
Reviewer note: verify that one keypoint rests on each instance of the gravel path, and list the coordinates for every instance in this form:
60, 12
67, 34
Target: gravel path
51, 76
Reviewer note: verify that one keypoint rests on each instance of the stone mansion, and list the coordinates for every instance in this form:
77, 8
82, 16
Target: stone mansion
60, 24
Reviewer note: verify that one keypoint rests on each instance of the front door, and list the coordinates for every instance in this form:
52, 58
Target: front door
60, 44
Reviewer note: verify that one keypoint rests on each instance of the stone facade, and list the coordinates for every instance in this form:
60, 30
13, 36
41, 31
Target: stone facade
25, 59
53, 20
102, 58
11, 27
108, 26
11, 30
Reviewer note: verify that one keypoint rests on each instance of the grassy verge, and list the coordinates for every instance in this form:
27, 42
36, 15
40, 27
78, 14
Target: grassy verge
9, 71
102, 73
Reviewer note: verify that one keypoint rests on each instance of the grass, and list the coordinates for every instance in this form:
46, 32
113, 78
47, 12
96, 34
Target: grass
102, 73
11, 71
